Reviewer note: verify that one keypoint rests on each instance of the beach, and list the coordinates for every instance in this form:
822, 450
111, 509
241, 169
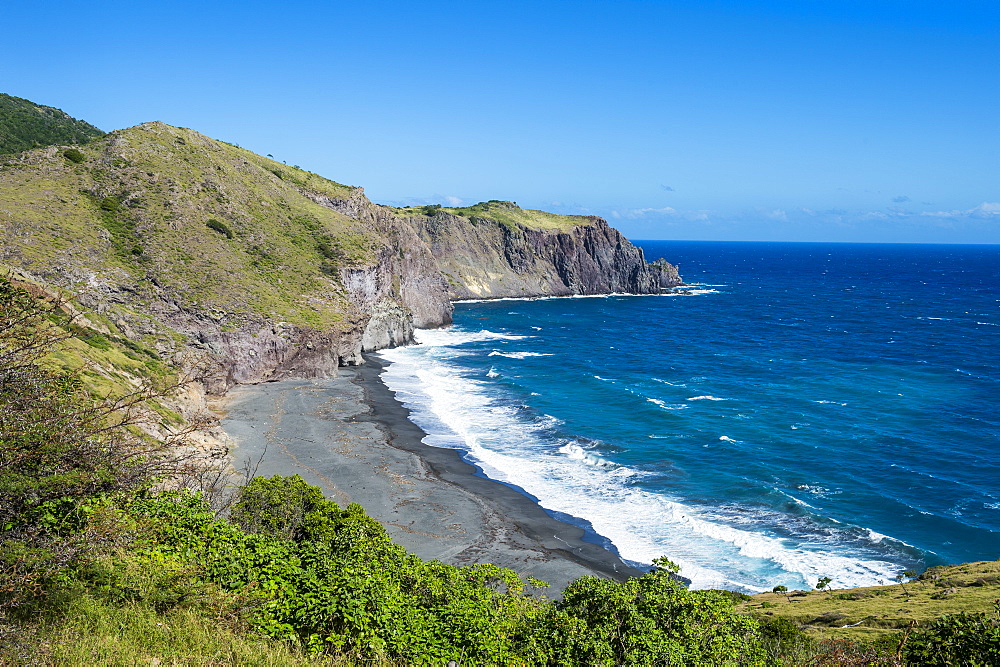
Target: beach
352, 438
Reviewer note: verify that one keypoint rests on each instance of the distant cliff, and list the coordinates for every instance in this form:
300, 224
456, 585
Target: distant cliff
209, 254
496, 249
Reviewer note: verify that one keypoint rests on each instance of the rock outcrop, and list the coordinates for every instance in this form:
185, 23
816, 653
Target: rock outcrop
219, 258
483, 258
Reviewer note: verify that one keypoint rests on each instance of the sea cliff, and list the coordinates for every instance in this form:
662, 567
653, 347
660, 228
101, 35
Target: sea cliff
215, 256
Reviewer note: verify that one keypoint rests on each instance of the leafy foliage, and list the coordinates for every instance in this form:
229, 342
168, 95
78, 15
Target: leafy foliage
220, 227
73, 155
25, 125
62, 453
957, 639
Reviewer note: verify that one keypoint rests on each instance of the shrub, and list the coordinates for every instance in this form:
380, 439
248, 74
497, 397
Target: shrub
220, 227
62, 453
110, 204
784, 642
652, 619
73, 155
957, 639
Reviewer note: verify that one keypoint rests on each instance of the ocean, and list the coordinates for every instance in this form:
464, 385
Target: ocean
800, 410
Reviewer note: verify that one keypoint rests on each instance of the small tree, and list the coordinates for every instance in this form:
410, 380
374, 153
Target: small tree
73, 155
823, 582
783, 590
62, 452
907, 574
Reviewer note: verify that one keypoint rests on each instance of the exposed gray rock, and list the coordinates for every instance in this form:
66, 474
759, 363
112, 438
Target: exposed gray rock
484, 259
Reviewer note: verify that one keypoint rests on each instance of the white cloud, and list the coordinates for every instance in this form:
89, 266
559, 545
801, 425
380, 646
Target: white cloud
633, 213
774, 214
985, 211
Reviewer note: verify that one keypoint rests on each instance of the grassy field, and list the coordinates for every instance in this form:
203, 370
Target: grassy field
506, 213
879, 610
211, 225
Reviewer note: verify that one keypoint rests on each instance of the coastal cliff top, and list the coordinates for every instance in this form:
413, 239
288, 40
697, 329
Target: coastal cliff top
507, 213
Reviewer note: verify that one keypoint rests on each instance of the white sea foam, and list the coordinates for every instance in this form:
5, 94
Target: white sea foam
726, 438
511, 446
517, 355
706, 398
453, 337
578, 453
663, 404
492, 373
568, 296
672, 384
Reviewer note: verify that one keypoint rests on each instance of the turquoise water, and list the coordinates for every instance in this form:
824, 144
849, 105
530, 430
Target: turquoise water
808, 410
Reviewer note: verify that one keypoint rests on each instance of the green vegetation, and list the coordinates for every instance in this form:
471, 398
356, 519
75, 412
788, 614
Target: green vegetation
25, 125
90, 547
506, 213
117, 219
220, 227
947, 614
136, 209
73, 155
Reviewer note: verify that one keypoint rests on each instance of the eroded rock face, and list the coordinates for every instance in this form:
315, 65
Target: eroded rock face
483, 259
202, 250
403, 289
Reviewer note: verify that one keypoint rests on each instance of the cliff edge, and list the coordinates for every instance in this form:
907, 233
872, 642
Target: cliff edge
214, 256
496, 249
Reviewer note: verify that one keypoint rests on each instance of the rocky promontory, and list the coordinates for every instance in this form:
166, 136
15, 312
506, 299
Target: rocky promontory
211, 254
497, 249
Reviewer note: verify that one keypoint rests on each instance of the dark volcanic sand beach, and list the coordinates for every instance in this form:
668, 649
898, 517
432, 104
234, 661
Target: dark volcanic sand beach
351, 437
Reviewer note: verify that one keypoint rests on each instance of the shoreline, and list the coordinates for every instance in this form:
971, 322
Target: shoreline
353, 438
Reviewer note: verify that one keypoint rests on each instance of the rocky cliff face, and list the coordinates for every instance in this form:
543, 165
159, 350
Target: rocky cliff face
219, 258
482, 258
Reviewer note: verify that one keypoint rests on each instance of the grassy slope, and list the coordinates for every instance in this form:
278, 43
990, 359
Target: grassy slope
969, 587
510, 214
151, 190
96, 633
25, 125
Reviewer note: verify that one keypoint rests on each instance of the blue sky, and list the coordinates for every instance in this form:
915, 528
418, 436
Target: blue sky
755, 120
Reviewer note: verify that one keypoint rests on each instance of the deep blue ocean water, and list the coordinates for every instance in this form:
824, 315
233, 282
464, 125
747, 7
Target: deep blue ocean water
807, 410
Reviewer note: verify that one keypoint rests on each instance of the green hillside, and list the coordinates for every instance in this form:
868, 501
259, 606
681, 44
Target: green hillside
873, 612
171, 212
506, 213
25, 125
130, 258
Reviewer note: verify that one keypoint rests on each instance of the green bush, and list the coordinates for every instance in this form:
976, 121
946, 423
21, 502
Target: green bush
220, 227
73, 155
110, 204
957, 639
63, 454
652, 619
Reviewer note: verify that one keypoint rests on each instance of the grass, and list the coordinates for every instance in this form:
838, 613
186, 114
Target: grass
94, 632
280, 259
882, 610
510, 215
